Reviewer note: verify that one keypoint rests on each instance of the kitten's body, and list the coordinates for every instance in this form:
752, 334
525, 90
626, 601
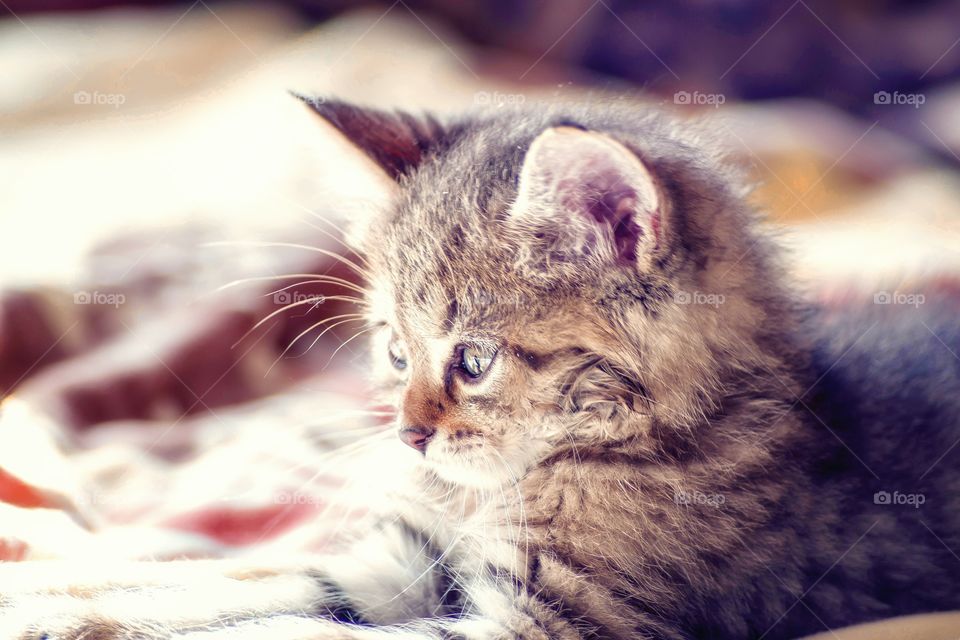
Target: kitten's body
666, 443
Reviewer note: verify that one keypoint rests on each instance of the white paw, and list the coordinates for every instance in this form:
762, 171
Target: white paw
57, 618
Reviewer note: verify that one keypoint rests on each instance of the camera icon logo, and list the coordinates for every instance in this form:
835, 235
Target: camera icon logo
882, 497
314, 101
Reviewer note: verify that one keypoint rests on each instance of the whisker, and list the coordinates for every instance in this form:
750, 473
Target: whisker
317, 339
344, 416
319, 278
340, 231
348, 316
293, 245
353, 318
335, 238
341, 451
345, 342
323, 280
290, 306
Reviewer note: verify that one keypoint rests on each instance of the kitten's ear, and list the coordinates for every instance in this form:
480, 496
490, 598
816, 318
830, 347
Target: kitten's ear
583, 195
395, 140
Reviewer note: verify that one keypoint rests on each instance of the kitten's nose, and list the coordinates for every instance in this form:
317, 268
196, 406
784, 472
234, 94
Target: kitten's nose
417, 437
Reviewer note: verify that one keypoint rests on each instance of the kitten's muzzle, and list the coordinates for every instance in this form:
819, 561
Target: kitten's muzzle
417, 437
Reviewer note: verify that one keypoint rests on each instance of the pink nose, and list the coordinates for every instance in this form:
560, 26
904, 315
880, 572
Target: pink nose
417, 437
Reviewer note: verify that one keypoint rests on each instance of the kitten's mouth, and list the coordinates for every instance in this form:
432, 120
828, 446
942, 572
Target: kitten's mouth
461, 457
459, 445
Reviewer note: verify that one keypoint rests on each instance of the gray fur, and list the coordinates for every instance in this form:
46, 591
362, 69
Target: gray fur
727, 393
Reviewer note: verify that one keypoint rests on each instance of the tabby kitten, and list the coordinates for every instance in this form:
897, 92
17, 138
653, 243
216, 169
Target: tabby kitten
628, 426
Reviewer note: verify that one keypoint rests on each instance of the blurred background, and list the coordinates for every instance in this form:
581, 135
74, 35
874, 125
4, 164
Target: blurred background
150, 153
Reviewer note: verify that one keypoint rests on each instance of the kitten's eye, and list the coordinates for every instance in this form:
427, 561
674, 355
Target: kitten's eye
398, 357
476, 360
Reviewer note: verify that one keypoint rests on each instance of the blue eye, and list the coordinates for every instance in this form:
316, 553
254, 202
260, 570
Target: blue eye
476, 360
398, 357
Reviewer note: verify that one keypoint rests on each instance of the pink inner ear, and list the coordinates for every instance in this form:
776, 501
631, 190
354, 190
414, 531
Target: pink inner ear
594, 189
615, 211
612, 202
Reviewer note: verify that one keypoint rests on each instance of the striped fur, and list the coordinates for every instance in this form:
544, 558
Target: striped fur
666, 445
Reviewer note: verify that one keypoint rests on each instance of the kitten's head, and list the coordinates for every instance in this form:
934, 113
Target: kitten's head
556, 278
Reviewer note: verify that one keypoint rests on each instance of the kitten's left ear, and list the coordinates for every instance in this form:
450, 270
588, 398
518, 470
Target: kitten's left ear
583, 195
395, 140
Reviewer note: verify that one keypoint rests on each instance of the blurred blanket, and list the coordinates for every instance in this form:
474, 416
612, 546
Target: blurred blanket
152, 413
145, 411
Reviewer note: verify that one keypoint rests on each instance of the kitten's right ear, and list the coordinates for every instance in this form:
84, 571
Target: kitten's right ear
582, 195
396, 141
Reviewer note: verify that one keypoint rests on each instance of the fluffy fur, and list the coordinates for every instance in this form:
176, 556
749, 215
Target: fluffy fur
667, 443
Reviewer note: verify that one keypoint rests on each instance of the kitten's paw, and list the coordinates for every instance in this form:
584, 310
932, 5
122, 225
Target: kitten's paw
64, 618
80, 629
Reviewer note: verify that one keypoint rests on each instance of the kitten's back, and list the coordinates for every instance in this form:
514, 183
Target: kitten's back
887, 404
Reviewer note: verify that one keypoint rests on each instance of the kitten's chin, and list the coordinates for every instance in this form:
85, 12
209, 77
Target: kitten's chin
467, 476
479, 469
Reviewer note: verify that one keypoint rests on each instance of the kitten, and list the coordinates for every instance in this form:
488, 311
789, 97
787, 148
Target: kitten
629, 425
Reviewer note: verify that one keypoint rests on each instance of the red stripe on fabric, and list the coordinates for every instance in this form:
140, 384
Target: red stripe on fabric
240, 527
15, 491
